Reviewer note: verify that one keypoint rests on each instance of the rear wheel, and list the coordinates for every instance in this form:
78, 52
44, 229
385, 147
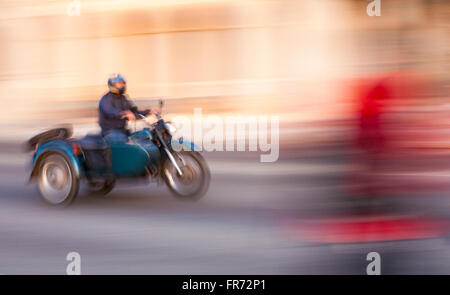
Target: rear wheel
58, 185
194, 181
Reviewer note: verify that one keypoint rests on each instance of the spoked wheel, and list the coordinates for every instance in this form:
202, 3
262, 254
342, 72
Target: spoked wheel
195, 178
102, 187
58, 184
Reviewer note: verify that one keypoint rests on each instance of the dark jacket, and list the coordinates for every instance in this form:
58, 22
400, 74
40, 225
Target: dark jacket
111, 108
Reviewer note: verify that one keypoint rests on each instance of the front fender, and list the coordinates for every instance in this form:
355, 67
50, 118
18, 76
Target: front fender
55, 146
185, 145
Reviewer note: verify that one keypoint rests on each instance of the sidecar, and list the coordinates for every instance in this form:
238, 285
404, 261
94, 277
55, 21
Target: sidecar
60, 162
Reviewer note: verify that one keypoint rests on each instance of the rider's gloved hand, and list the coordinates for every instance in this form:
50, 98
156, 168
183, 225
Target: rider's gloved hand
129, 115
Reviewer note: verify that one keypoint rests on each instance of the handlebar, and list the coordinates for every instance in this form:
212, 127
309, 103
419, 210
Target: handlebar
158, 116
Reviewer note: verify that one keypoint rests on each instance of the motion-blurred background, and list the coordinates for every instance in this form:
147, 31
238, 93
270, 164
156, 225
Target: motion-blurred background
364, 113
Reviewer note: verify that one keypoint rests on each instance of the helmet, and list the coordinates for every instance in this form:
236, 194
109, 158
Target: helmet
115, 78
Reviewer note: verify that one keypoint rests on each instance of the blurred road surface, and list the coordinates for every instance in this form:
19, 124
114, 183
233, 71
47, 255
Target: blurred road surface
240, 227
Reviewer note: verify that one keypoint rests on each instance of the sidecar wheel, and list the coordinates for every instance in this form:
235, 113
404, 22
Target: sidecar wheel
57, 182
195, 180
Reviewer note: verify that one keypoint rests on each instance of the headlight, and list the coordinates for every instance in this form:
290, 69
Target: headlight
170, 128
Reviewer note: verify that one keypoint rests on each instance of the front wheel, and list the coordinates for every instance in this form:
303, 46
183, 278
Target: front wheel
58, 185
194, 182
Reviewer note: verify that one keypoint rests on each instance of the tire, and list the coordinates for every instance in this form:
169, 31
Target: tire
104, 188
57, 183
202, 176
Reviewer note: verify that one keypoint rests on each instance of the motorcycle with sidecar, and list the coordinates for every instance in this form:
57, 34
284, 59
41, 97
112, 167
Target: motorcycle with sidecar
60, 162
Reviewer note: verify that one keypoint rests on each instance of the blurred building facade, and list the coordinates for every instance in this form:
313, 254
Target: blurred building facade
292, 58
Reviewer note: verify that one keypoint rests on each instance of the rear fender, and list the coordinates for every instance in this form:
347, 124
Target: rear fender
55, 146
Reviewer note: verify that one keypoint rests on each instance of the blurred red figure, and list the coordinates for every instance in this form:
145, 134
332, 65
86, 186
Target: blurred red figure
371, 139
384, 140
384, 133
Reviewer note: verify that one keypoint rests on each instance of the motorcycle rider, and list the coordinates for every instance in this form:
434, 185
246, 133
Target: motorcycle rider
115, 109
